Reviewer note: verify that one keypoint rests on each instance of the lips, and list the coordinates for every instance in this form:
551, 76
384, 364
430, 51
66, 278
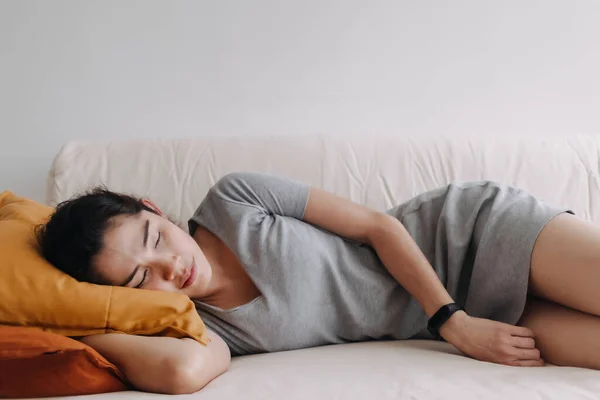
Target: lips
191, 277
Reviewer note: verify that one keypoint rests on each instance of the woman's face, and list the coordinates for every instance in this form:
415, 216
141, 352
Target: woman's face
150, 252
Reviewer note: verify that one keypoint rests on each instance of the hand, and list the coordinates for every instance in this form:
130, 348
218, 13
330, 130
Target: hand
492, 341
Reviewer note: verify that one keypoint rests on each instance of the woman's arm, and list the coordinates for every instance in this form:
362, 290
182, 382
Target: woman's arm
393, 244
479, 338
163, 364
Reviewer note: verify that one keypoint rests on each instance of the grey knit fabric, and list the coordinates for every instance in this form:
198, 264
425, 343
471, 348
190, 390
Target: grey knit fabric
319, 288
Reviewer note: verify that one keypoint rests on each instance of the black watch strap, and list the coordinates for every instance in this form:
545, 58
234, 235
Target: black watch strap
440, 317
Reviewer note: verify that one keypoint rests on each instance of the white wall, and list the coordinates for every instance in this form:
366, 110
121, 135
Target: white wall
99, 70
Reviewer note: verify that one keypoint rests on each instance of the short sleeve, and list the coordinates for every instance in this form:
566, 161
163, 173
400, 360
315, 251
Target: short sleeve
251, 193
270, 193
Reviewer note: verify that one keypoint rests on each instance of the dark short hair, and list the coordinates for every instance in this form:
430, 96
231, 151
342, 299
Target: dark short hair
74, 234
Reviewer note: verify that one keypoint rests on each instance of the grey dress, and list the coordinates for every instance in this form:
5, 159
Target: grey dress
319, 288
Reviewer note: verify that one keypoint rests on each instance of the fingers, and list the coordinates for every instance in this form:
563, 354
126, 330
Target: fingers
527, 363
522, 342
533, 354
521, 331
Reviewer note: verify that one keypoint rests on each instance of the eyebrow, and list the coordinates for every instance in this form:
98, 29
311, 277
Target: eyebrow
135, 270
146, 232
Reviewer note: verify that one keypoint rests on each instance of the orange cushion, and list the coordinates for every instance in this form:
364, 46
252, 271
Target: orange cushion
34, 293
34, 363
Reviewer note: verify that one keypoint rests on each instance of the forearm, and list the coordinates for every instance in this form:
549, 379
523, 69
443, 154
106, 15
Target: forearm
479, 338
163, 364
406, 262
130, 352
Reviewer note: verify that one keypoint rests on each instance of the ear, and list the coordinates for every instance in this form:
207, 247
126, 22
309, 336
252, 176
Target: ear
152, 206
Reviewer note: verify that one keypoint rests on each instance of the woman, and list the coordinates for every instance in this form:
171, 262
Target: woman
274, 264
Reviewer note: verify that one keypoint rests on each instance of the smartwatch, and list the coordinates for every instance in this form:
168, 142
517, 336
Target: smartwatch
440, 317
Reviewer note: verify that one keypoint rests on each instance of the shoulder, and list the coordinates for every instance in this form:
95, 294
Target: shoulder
241, 180
262, 192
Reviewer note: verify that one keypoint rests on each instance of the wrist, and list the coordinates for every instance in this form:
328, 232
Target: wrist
440, 317
452, 329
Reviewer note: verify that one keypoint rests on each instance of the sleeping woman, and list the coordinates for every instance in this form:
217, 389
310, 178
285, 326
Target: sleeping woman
274, 264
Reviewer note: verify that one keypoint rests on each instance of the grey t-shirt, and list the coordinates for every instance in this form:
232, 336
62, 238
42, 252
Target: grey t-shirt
317, 287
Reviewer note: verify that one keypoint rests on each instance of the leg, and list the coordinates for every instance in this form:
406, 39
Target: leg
564, 336
565, 264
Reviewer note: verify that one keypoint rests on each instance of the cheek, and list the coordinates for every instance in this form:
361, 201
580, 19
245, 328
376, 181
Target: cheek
204, 268
160, 285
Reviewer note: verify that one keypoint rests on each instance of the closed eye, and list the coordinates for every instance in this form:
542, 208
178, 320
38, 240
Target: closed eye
157, 240
143, 280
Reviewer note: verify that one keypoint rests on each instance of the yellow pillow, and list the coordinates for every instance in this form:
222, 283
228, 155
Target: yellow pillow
34, 293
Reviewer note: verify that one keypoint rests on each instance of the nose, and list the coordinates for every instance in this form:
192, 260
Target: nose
168, 266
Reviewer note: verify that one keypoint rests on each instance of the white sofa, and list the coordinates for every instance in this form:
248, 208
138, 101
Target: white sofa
378, 171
